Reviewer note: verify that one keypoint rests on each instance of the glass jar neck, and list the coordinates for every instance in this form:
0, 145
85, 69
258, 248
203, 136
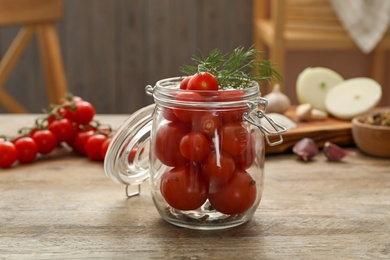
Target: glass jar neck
167, 92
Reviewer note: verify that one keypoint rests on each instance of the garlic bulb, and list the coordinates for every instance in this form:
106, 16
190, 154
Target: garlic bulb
277, 101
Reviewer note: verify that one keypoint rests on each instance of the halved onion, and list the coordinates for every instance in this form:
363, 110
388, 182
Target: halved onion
353, 97
313, 85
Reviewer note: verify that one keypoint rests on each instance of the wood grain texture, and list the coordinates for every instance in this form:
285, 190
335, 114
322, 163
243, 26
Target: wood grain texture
113, 49
329, 130
64, 207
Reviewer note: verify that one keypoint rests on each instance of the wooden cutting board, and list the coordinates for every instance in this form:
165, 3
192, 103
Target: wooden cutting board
329, 130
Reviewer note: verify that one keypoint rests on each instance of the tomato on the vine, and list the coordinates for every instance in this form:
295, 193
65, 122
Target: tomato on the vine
80, 140
26, 148
183, 187
234, 138
104, 148
203, 81
194, 147
167, 142
83, 112
63, 129
8, 154
45, 139
93, 147
236, 196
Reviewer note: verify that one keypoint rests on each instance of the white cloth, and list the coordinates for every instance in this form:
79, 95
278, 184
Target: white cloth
366, 21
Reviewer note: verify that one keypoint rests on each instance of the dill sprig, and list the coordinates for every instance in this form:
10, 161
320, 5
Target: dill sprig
235, 70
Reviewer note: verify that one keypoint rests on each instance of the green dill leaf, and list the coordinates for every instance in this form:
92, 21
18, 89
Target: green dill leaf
235, 70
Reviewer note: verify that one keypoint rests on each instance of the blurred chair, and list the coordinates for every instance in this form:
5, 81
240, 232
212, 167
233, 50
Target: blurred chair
282, 25
35, 16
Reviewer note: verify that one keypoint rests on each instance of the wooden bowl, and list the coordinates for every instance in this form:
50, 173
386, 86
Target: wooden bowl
371, 139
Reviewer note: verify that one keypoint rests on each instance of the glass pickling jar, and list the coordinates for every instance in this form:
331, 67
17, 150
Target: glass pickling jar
203, 152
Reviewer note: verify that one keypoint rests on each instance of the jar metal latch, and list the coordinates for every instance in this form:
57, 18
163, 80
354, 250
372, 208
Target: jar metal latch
254, 116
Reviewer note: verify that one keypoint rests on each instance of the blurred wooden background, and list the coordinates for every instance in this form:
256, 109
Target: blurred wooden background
113, 49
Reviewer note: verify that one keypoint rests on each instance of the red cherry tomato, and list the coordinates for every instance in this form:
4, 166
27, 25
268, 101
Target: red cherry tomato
62, 113
80, 140
218, 168
104, 148
233, 115
83, 112
194, 147
183, 188
169, 114
27, 149
236, 196
8, 154
167, 143
234, 138
45, 139
93, 147
184, 82
206, 123
203, 81
247, 158
229, 95
63, 130
186, 114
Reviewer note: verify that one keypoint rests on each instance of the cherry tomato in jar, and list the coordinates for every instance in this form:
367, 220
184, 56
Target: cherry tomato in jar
230, 95
167, 142
247, 158
8, 154
184, 82
186, 114
93, 147
45, 139
206, 123
236, 196
63, 130
234, 138
233, 115
183, 187
194, 147
26, 148
169, 114
203, 81
218, 168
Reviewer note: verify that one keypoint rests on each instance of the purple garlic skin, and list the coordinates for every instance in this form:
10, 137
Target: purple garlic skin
305, 149
334, 153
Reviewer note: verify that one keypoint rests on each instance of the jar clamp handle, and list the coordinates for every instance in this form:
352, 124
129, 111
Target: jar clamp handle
131, 139
254, 115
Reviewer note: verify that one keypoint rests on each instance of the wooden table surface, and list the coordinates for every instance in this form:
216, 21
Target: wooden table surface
64, 206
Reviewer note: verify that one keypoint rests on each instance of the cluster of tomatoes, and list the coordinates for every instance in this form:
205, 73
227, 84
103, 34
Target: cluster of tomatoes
70, 123
207, 150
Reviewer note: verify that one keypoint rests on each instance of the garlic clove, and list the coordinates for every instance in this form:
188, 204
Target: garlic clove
317, 114
334, 152
306, 112
305, 149
277, 101
303, 112
280, 119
